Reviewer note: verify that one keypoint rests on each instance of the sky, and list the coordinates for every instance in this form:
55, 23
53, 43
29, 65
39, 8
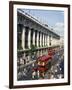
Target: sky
54, 18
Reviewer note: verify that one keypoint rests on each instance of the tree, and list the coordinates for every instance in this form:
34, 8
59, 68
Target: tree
33, 48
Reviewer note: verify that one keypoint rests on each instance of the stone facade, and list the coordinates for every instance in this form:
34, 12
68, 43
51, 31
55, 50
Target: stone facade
31, 32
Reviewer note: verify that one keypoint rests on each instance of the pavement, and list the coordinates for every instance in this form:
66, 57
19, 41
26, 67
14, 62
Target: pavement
55, 72
57, 69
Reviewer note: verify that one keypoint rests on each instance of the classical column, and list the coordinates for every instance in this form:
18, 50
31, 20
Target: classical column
23, 38
54, 42
37, 39
40, 39
48, 40
51, 40
29, 38
33, 37
43, 40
